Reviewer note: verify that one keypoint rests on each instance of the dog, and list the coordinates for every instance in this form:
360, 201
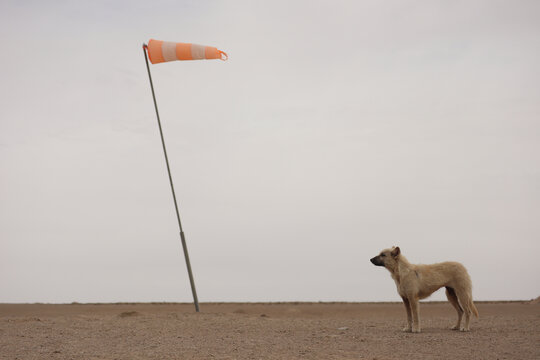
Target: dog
415, 282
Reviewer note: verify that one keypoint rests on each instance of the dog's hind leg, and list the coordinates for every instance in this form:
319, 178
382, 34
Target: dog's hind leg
465, 301
409, 315
451, 295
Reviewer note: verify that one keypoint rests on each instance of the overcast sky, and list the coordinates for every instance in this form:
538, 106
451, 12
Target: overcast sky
336, 129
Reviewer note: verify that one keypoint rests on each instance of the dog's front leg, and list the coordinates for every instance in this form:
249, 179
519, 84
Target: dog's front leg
413, 301
408, 328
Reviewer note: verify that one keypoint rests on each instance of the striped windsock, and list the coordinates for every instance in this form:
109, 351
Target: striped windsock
162, 51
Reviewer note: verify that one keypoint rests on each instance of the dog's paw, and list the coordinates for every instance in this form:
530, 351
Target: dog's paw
455, 327
416, 330
406, 329
464, 329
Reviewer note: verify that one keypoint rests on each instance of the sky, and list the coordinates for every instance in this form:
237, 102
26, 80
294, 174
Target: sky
335, 129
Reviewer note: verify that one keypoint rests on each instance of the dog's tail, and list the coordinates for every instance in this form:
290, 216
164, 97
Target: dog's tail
473, 308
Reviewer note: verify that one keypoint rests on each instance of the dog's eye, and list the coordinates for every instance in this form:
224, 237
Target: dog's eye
383, 255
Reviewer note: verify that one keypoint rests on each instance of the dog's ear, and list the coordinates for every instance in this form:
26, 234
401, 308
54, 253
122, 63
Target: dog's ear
396, 251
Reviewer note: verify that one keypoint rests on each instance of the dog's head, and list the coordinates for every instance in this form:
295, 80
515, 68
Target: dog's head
387, 258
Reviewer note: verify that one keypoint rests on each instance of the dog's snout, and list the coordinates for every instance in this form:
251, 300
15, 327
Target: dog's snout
376, 261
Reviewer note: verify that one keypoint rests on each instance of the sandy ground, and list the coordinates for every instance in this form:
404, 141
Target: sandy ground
264, 331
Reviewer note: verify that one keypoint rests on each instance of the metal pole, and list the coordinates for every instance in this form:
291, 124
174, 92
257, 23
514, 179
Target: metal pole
182, 236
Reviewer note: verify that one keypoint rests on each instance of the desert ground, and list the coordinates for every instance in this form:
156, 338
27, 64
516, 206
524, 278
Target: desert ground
505, 330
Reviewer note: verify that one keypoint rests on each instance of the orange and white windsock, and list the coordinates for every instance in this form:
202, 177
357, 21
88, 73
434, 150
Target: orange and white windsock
162, 51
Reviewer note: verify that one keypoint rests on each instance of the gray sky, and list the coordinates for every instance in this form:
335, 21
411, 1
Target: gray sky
336, 129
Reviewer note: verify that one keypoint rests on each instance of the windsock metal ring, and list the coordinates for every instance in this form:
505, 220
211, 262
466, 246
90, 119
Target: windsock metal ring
162, 51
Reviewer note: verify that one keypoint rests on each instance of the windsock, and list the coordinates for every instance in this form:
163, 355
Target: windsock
162, 51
